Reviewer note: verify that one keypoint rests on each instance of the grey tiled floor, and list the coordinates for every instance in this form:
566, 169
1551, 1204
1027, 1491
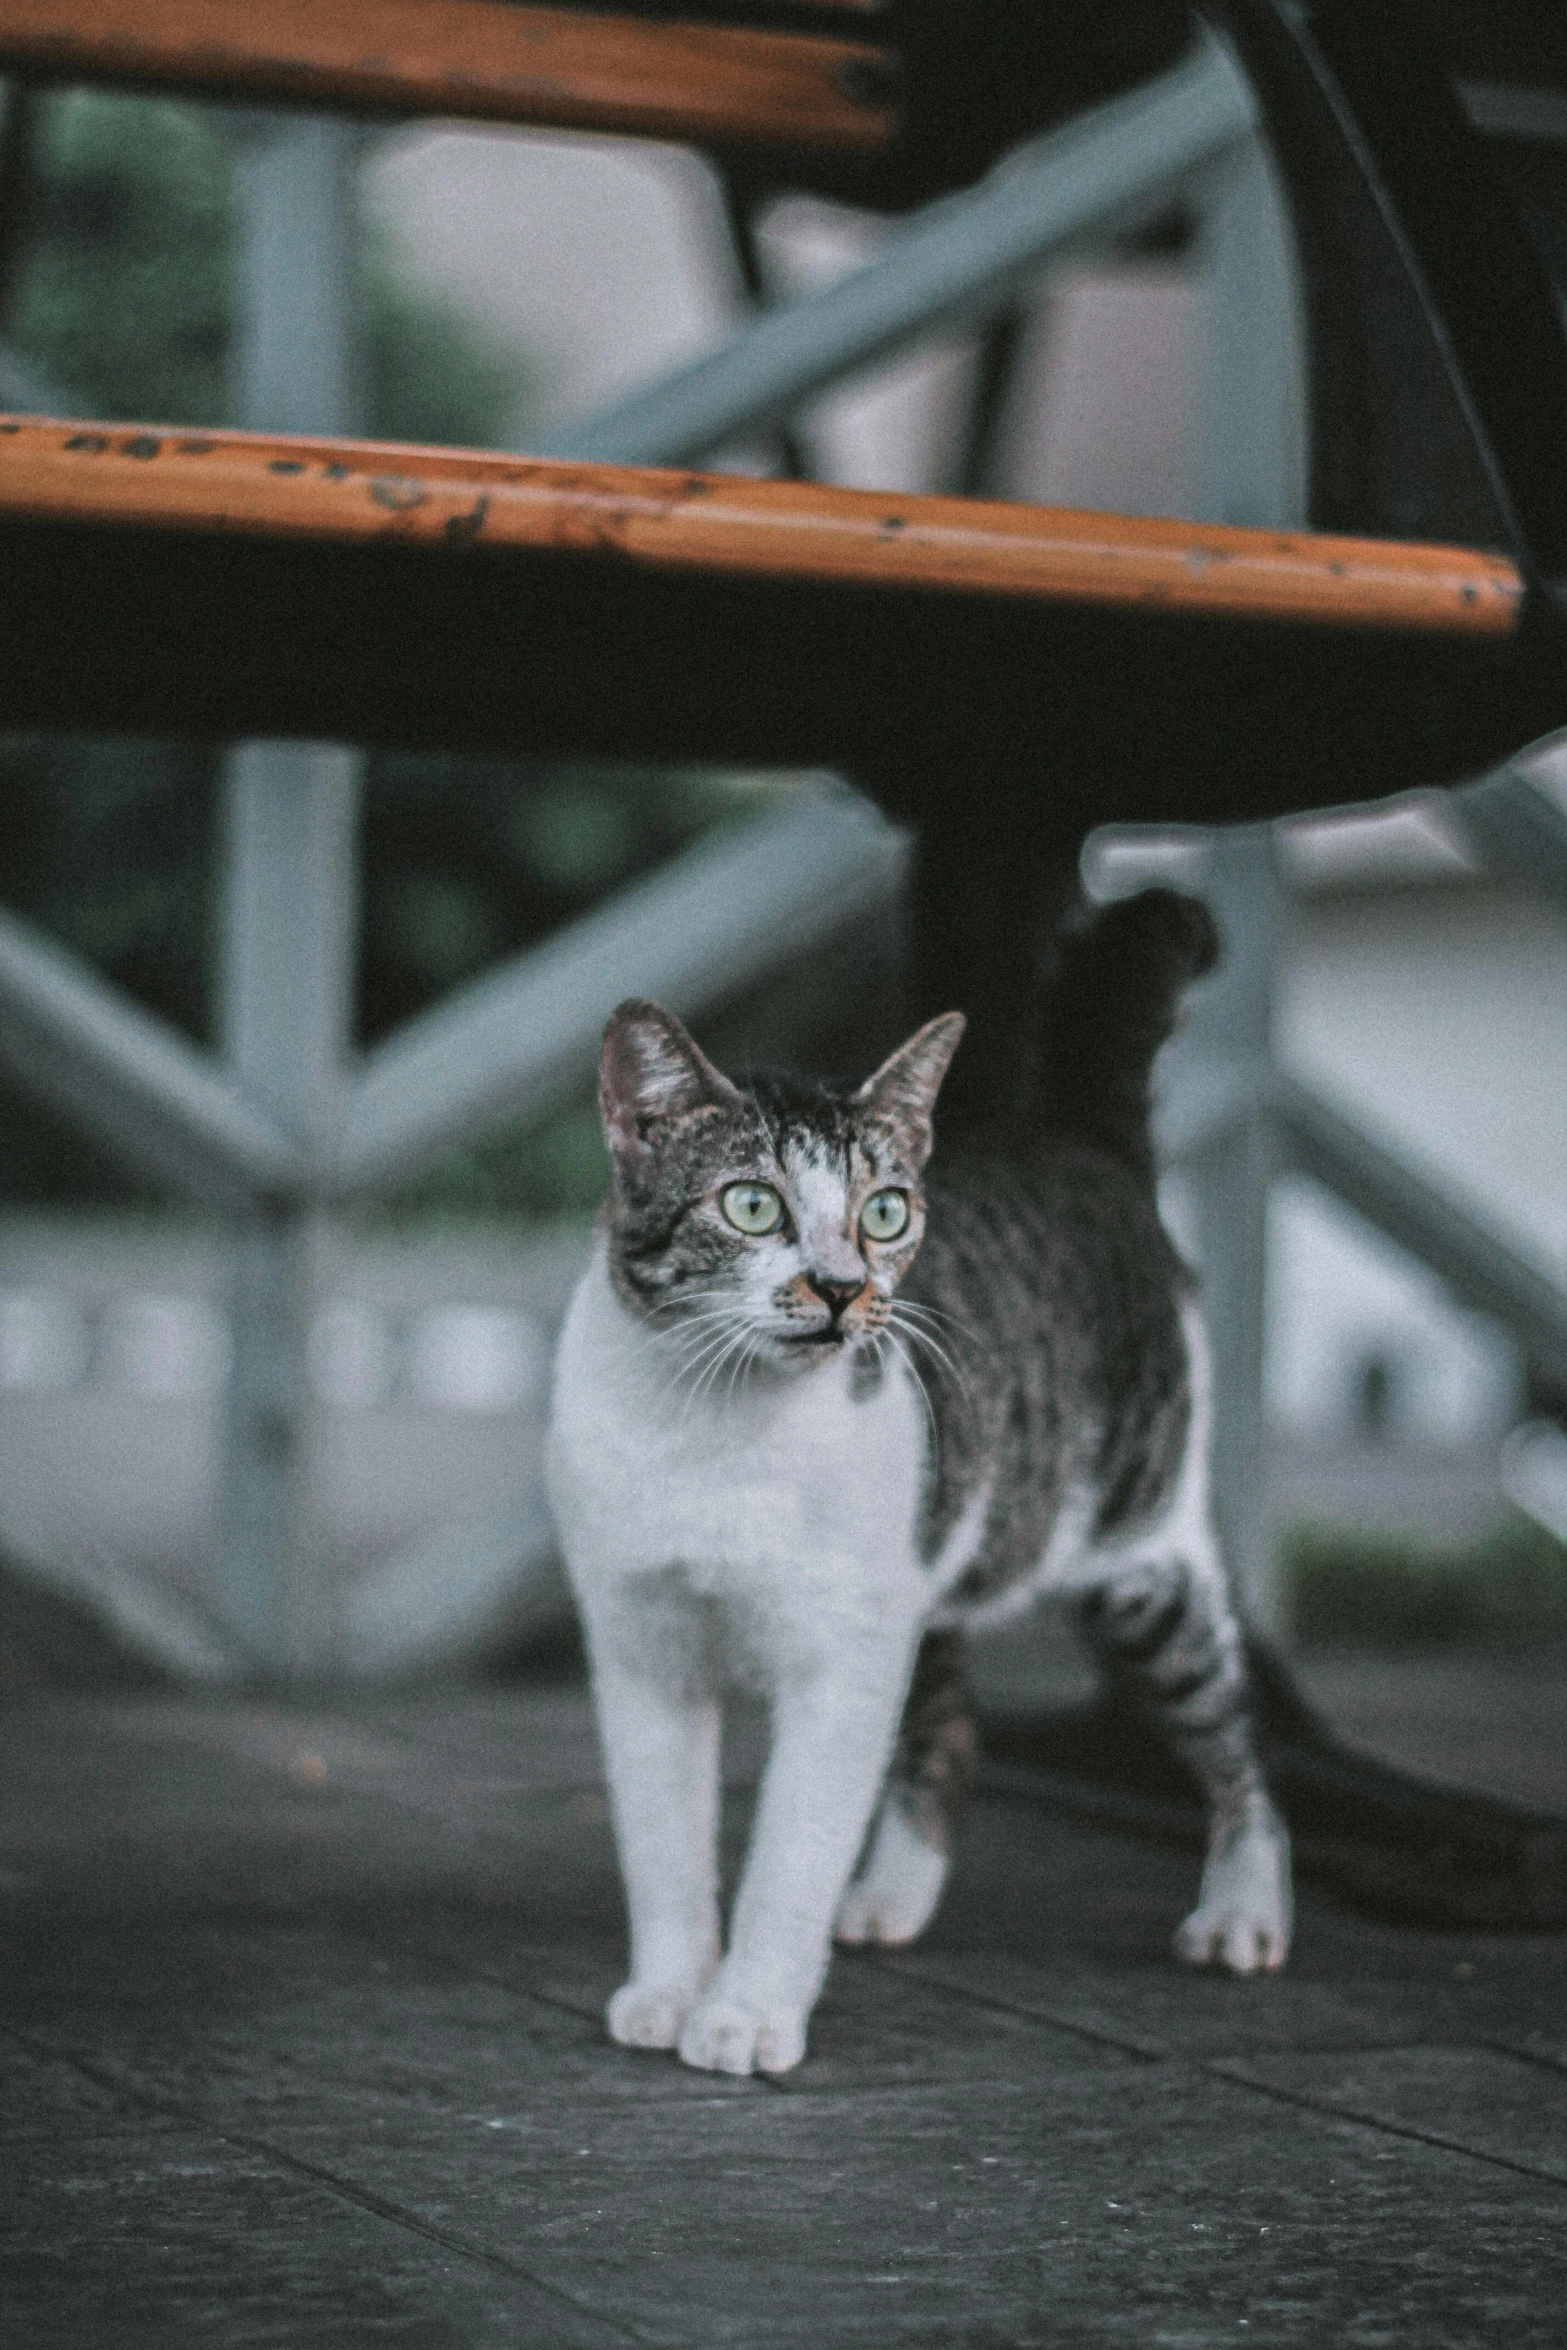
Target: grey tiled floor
301, 2046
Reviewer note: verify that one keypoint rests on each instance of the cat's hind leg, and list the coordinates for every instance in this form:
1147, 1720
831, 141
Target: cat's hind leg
894, 1896
1166, 1628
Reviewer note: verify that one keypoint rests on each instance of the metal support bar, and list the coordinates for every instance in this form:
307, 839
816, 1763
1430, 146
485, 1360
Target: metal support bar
963, 258
295, 348
290, 811
1517, 831
1253, 460
1222, 1056
124, 1076
272, 1590
525, 1038
290, 816
1480, 1269
1253, 472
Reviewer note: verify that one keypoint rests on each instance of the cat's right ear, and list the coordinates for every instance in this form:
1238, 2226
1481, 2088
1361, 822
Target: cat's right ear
652, 1071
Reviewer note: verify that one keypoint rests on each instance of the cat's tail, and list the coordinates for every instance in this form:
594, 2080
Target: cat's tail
1110, 1001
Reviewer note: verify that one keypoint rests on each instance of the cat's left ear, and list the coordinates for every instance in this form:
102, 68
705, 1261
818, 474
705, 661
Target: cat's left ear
903, 1091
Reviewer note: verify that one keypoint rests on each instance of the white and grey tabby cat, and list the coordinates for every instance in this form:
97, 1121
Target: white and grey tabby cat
816, 1410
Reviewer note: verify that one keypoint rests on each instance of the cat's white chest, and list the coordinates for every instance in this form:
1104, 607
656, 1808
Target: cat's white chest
786, 1492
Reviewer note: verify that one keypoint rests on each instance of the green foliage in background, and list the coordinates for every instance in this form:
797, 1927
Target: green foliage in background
1354, 1589
125, 288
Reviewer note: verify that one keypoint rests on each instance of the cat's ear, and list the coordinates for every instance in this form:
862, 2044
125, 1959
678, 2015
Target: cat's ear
651, 1071
902, 1093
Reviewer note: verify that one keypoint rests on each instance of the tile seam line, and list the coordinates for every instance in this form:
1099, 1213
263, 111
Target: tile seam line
780, 2084
1221, 2070
1556, 2065
595, 2016
491, 1974
785, 2085
1147, 2051
487, 1971
347, 2190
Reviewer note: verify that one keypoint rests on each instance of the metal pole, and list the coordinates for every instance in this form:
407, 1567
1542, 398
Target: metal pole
294, 364
1229, 1030
1253, 471
290, 817
1253, 406
290, 813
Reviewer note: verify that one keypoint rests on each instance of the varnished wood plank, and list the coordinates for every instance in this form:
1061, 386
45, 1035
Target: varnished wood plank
723, 524
718, 83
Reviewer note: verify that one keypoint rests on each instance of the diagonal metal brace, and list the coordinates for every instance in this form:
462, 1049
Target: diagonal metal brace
1475, 1262
526, 1038
962, 258
122, 1075
1517, 831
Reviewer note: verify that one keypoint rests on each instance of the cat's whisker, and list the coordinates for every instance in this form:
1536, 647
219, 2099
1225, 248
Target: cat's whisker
748, 1354
697, 1346
686, 1351
952, 1373
944, 1322
736, 1342
907, 1360
943, 1328
690, 1331
918, 1337
707, 1390
909, 1319
711, 1344
673, 1333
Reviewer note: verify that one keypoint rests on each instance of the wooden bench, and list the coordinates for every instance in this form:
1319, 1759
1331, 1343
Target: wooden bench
346, 492
728, 85
217, 583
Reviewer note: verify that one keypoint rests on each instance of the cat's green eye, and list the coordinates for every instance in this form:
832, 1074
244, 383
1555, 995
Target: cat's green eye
885, 1215
752, 1208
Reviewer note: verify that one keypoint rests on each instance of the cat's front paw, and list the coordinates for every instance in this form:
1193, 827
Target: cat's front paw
1243, 1917
724, 2036
649, 2015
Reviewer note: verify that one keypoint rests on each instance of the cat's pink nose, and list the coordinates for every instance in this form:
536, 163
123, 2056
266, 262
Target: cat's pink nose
836, 1295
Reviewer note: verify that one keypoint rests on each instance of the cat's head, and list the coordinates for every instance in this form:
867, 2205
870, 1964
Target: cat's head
770, 1220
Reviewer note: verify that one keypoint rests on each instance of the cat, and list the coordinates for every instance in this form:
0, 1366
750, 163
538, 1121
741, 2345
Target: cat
818, 1406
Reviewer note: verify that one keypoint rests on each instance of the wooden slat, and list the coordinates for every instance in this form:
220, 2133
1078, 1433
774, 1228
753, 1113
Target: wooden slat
704, 82
343, 491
